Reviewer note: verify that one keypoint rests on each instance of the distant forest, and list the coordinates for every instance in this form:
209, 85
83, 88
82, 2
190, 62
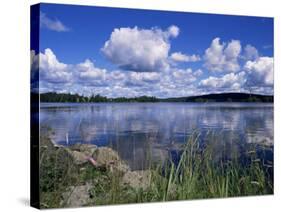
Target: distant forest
222, 97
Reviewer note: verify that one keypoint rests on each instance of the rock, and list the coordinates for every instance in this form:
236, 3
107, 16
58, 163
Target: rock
105, 158
108, 158
81, 152
46, 142
137, 179
87, 149
76, 196
78, 157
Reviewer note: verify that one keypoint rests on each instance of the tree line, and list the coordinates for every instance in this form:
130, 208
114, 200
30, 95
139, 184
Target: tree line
67, 97
222, 97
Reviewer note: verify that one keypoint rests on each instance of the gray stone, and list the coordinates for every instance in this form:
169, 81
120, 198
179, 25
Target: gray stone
137, 179
78, 157
81, 152
108, 158
87, 149
76, 196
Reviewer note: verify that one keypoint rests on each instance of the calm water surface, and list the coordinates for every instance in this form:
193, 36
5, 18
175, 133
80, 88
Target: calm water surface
136, 130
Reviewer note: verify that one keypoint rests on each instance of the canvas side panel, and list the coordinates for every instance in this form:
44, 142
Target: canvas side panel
34, 104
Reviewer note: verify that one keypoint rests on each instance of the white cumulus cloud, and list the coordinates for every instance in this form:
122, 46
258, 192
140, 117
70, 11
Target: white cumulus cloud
222, 57
141, 50
198, 73
51, 69
180, 57
87, 70
183, 76
173, 31
88, 73
250, 52
142, 78
231, 80
260, 72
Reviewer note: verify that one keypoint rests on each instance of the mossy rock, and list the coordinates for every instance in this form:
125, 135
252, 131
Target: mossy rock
109, 159
76, 196
87, 149
137, 179
79, 158
81, 152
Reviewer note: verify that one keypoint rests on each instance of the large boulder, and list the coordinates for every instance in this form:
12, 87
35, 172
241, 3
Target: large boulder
81, 152
79, 158
87, 149
109, 159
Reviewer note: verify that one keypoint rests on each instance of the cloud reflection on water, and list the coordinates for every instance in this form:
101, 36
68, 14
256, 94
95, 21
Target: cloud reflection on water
138, 131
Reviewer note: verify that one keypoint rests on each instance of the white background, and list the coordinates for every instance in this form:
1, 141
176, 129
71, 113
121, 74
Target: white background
14, 117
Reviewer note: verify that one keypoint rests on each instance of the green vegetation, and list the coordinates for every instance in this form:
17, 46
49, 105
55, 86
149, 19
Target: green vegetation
56, 97
223, 97
197, 174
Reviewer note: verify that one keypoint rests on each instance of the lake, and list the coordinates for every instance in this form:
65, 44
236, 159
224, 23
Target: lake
158, 130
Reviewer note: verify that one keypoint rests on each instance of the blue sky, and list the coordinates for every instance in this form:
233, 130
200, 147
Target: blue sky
126, 52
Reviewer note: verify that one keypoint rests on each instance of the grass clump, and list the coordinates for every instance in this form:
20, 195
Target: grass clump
198, 175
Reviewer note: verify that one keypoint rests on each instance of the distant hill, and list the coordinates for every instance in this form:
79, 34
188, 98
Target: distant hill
224, 97
221, 97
